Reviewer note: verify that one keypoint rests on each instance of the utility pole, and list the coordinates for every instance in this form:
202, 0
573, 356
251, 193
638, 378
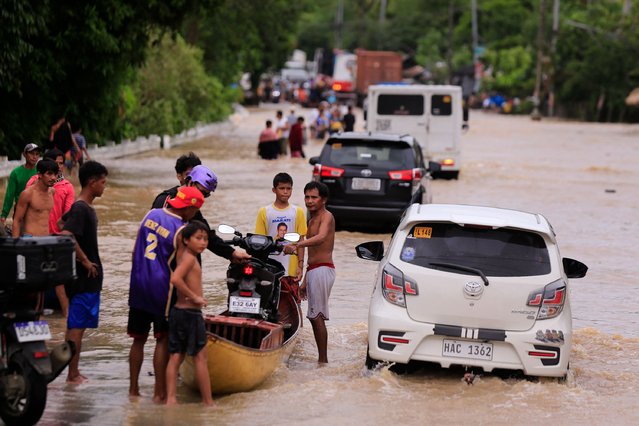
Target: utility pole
339, 24
553, 51
536, 115
473, 10
382, 21
449, 51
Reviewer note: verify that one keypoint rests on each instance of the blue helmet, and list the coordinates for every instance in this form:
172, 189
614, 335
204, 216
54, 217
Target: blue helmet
204, 176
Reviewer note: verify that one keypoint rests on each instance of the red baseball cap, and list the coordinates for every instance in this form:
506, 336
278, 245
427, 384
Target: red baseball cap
187, 196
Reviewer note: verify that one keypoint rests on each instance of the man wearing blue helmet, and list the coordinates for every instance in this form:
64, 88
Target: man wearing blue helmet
205, 180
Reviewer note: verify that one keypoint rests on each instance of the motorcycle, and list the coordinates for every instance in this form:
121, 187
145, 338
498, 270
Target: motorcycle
30, 266
254, 286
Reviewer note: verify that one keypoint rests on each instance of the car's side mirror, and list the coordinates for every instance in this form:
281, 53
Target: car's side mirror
313, 161
371, 250
434, 166
574, 268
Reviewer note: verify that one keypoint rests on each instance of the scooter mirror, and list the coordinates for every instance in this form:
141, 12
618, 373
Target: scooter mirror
225, 229
292, 237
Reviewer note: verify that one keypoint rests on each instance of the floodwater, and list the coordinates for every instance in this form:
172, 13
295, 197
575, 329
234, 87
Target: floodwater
583, 177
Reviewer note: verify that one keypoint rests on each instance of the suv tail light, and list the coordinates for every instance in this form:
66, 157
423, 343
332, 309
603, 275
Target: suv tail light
326, 171
550, 299
406, 175
395, 286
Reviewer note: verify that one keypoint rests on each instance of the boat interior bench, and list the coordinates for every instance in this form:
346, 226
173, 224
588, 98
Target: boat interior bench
252, 333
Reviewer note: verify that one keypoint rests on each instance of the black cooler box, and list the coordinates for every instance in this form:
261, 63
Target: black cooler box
36, 263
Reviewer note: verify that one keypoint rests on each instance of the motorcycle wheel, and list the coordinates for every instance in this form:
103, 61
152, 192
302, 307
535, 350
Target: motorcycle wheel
25, 393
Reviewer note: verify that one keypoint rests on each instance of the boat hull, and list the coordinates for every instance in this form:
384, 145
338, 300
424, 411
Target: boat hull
242, 353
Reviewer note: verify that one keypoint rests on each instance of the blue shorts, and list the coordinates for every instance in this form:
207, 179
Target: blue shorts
84, 310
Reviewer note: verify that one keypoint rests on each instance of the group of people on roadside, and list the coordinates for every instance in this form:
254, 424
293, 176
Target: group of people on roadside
44, 203
166, 275
288, 134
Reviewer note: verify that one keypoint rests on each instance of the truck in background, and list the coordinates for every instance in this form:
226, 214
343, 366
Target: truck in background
433, 115
354, 73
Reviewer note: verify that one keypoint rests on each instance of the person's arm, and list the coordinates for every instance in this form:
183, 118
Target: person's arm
21, 211
178, 279
260, 222
9, 196
69, 199
92, 268
322, 234
75, 143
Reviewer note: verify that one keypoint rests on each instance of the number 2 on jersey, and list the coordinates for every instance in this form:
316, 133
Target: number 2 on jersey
152, 239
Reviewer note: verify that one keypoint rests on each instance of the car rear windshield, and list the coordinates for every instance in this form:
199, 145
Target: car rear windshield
369, 153
499, 252
400, 105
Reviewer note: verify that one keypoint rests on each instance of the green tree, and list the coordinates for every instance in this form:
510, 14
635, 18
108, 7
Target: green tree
67, 57
172, 91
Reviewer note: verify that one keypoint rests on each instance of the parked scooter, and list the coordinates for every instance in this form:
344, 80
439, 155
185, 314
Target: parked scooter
254, 287
30, 266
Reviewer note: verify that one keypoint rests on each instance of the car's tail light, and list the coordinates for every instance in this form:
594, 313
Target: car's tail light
395, 286
448, 162
326, 171
550, 300
406, 175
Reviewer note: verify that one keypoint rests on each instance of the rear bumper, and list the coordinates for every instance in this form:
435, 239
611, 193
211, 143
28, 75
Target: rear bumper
366, 214
512, 351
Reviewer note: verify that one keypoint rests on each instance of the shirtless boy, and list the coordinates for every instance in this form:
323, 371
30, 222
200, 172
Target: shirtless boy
187, 334
320, 274
35, 203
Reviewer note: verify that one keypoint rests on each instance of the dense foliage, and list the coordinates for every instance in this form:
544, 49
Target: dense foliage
120, 68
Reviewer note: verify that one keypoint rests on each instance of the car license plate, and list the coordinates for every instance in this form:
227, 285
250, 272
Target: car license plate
466, 349
245, 305
32, 331
362, 184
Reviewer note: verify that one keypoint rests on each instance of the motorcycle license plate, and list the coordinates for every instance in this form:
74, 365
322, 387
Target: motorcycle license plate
32, 331
245, 305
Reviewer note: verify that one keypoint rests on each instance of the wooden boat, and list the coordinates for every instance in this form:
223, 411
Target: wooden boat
243, 352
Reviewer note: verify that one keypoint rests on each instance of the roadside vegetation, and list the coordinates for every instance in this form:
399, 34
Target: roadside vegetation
121, 69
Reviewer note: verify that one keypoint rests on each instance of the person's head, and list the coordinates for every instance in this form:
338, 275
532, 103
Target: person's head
281, 229
195, 236
282, 187
300, 120
31, 154
315, 195
186, 202
269, 123
279, 114
55, 155
350, 108
203, 179
93, 176
48, 171
185, 164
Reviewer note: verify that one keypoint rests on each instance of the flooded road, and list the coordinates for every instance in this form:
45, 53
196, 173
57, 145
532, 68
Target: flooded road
583, 177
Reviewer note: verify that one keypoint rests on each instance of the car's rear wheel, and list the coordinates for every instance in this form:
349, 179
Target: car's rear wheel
370, 362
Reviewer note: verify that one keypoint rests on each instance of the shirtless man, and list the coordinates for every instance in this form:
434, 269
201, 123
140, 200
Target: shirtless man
35, 203
320, 274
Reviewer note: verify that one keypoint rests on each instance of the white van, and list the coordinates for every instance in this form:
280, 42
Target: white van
431, 114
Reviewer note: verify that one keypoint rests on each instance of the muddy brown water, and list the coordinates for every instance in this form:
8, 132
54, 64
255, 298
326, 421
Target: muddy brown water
583, 177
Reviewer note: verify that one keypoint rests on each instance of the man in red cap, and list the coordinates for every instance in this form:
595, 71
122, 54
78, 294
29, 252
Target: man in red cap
150, 291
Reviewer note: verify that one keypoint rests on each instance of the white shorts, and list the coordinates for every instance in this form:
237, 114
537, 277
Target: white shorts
319, 282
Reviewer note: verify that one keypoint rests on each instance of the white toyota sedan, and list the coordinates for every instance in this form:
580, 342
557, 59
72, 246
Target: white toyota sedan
472, 286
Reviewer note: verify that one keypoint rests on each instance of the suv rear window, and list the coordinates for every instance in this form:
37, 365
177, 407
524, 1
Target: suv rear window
441, 105
496, 252
377, 154
400, 105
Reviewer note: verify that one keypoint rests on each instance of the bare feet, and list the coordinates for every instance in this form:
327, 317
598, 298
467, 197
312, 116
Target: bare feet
77, 380
171, 401
158, 399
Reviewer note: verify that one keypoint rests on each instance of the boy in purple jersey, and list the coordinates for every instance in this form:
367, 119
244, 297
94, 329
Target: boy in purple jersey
149, 295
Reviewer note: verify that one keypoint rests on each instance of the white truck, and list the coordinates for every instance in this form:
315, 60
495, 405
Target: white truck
432, 114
